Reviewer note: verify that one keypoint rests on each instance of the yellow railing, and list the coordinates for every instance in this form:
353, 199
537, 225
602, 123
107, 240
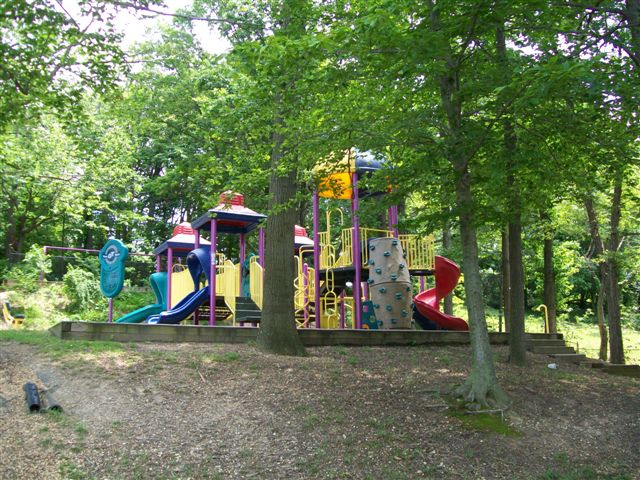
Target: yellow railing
229, 285
419, 251
304, 292
365, 235
255, 281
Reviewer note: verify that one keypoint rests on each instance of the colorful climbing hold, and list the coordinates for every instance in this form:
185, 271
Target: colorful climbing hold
394, 242
401, 266
383, 290
378, 270
394, 276
372, 262
387, 253
399, 296
389, 308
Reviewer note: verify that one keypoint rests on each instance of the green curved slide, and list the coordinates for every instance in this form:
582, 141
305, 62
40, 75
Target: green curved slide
158, 283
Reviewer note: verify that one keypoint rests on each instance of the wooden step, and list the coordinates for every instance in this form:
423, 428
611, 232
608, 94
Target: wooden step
553, 350
544, 342
569, 357
622, 370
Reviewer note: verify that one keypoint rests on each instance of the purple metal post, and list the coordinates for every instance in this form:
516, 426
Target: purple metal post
365, 291
342, 313
261, 246
243, 247
357, 254
196, 244
422, 284
44, 251
110, 317
169, 270
393, 220
212, 272
316, 257
158, 263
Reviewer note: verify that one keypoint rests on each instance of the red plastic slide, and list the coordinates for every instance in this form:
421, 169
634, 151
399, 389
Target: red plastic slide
428, 302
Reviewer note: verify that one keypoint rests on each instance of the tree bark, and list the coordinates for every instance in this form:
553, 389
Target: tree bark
446, 246
517, 347
602, 327
597, 249
505, 283
278, 333
616, 347
548, 274
482, 387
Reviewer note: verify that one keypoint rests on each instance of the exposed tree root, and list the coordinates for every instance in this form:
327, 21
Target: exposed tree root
478, 394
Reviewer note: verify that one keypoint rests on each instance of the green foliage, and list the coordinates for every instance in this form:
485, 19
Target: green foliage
82, 288
26, 274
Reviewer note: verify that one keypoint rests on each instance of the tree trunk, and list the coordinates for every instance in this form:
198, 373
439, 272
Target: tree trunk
481, 387
278, 333
505, 283
446, 246
597, 248
549, 283
517, 346
613, 301
602, 327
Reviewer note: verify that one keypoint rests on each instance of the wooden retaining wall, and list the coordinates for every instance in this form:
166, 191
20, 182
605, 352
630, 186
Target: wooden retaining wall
133, 332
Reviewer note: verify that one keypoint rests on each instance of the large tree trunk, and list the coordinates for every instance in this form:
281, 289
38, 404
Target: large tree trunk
602, 327
517, 347
482, 386
446, 245
278, 333
549, 279
613, 301
505, 290
597, 249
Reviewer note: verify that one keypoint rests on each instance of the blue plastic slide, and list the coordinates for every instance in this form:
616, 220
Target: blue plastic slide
183, 309
198, 263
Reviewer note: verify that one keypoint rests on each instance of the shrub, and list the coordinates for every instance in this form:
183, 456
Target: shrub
82, 287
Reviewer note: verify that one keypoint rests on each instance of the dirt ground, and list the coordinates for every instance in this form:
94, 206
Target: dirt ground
231, 412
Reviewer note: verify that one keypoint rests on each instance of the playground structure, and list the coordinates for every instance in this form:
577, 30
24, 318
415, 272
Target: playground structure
332, 291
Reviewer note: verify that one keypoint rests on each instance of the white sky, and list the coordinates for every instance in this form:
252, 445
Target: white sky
135, 25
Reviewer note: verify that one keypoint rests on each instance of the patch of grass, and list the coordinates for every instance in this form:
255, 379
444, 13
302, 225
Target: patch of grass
484, 422
56, 348
225, 357
353, 361
583, 473
69, 470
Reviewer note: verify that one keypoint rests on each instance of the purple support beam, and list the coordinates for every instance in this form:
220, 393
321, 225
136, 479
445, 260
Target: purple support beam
196, 244
158, 263
243, 247
422, 285
212, 272
357, 254
110, 317
261, 246
316, 256
169, 270
393, 220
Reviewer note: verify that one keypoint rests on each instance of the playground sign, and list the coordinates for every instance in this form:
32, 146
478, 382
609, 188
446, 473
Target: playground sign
112, 258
